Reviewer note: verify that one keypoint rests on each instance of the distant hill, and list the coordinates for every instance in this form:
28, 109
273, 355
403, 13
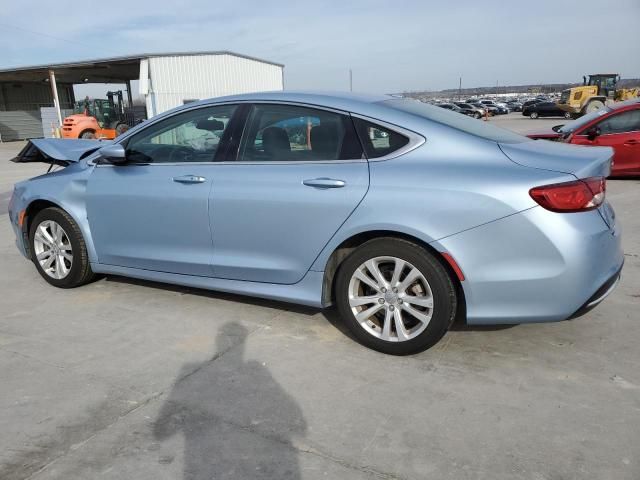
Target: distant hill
522, 89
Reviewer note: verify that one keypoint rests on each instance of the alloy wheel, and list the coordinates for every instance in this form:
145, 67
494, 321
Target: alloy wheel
53, 250
390, 299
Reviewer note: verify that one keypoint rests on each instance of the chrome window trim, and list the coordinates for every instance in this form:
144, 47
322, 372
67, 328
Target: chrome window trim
278, 162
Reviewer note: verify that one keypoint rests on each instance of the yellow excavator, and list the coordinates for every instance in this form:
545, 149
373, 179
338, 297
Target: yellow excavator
594, 94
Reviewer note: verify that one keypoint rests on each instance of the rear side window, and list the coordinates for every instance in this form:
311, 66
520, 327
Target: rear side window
294, 133
378, 141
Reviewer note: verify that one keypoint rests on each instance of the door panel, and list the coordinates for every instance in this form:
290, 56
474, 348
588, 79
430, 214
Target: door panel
141, 218
268, 226
299, 175
621, 131
153, 212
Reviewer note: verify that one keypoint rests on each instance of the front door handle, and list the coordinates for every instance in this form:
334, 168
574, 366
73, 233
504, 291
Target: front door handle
189, 179
324, 183
632, 142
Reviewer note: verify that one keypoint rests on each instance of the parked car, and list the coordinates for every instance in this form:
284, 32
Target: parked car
444, 216
616, 126
528, 103
450, 106
515, 106
544, 109
493, 108
471, 110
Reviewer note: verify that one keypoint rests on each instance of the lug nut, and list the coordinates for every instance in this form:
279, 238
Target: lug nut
395, 290
399, 300
391, 307
383, 290
381, 300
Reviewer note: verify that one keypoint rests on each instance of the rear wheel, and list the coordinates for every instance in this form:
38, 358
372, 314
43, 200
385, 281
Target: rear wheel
567, 115
58, 249
88, 134
395, 297
534, 115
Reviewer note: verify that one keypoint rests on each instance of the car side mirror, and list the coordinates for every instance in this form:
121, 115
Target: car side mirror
114, 154
592, 133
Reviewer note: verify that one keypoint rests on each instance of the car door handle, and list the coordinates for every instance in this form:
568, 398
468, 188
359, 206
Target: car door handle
324, 183
632, 142
189, 179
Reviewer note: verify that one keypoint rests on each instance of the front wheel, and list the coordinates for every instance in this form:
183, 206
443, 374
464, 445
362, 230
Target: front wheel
395, 297
58, 249
534, 115
477, 115
568, 115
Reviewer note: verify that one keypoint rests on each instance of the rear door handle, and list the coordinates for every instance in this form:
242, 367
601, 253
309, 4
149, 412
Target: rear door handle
189, 179
324, 183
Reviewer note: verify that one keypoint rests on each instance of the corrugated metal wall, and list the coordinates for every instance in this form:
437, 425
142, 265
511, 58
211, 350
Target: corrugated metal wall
175, 79
50, 119
20, 125
31, 96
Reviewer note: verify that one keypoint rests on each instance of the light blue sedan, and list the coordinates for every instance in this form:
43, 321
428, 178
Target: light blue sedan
403, 215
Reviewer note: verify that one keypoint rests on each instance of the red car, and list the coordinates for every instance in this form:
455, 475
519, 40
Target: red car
617, 126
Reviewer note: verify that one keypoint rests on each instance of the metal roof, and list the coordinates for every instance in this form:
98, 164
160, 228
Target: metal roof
101, 70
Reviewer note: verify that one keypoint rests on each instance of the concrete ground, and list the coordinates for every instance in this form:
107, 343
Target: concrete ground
123, 379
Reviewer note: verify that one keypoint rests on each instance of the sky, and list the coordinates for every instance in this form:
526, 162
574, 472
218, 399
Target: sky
391, 46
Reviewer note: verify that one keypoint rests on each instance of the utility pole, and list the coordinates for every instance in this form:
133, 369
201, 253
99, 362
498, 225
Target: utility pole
350, 80
460, 90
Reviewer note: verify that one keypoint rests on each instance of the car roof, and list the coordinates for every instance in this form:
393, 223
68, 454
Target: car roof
338, 100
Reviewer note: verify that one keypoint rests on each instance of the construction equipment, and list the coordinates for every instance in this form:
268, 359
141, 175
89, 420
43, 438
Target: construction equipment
98, 118
594, 94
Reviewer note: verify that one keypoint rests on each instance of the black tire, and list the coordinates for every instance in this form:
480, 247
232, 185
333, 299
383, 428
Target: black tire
445, 302
477, 115
88, 134
80, 271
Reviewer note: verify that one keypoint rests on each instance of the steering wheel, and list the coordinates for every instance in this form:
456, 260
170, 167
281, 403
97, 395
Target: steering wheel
180, 154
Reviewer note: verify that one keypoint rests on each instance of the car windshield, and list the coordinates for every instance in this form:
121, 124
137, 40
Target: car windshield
576, 124
454, 120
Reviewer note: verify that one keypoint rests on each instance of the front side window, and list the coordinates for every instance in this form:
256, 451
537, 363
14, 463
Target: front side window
294, 133
378, 141
192, 136
624, 122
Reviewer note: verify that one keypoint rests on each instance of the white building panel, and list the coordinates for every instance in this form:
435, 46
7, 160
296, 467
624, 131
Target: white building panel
176, 79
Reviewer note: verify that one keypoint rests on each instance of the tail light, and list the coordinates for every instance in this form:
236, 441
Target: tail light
578, 196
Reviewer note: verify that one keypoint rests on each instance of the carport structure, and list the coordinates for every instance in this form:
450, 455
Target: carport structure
166, 81
24, 91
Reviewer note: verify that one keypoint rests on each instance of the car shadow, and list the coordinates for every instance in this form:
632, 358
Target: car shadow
330, 313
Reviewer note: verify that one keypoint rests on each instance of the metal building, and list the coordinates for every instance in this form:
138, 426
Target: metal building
166, 80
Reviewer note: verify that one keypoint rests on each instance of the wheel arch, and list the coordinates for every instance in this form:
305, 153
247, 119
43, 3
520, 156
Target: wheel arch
343, 250
36, 205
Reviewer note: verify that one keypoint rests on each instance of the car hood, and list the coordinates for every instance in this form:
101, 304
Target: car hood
546, 133
60, 151
580, 161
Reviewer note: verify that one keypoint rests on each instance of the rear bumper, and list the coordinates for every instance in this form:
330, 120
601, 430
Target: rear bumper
603, 292
536, 266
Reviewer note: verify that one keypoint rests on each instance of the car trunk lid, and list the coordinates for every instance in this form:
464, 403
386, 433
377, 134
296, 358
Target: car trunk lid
581, 162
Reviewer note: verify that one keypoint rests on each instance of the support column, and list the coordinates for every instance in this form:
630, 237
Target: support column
56, 100
129, 96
